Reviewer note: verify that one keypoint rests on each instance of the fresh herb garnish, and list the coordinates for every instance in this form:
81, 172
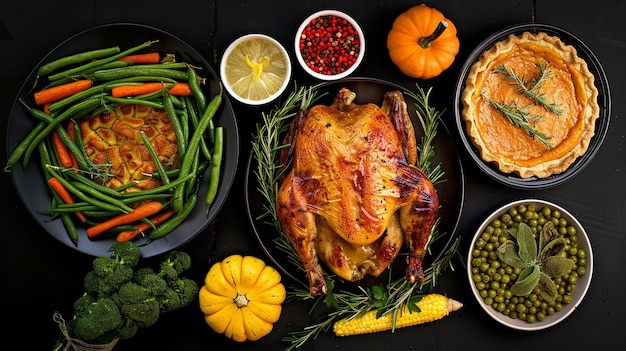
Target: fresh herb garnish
531, 87
519, 117
539, 263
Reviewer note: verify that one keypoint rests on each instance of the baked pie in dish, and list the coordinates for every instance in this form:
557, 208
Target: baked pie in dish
530, 105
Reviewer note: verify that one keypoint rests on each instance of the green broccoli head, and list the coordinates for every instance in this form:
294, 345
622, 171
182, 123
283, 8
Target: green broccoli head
187, 290
127, 330
179, 260
97, 319
145, 314
125, 252
154, 284
82, 305
167, 272
131, 293
169, 300
141, 272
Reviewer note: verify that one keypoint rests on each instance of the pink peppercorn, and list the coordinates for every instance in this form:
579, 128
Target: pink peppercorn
334, 40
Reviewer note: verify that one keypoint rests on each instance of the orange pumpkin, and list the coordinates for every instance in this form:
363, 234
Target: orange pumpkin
422, 42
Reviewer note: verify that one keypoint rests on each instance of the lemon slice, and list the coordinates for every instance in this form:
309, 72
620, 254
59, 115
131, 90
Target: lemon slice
255, 69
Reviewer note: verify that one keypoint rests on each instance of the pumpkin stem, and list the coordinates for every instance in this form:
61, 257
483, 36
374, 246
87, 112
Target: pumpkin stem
426, 41
241, 301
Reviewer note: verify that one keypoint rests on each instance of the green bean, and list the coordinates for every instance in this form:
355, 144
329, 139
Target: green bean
165, 187
115, 193
176, 125
70, 228
193, 147
20, 149
81, 195
98, 63
171, 224
101, 196
174, 172
216, 165
76, 59
194, 84
135, 100
155, 157
144, 197
81, 156
74, 110
85, 74
60, 104
194, 121
125, 72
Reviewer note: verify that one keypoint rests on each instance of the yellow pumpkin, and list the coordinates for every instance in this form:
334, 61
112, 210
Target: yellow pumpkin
242, 297
422, 42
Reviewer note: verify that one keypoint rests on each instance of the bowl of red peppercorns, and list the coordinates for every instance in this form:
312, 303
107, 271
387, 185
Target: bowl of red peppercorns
329, 45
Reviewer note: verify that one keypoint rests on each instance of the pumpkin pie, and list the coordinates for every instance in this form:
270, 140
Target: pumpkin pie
530, 105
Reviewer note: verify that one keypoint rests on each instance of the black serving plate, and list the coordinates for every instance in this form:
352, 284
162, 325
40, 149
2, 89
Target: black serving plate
602, 123
451, 192
30, 184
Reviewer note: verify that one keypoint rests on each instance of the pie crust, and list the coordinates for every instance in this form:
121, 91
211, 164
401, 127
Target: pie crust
569, 84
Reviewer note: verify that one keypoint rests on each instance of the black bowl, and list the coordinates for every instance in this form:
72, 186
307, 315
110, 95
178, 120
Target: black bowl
30, 184
602, 123
451, 192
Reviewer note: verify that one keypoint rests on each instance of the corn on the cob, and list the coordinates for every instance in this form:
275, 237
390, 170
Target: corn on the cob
432, 307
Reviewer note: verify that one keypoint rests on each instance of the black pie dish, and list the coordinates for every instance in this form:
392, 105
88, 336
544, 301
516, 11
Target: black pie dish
602, 123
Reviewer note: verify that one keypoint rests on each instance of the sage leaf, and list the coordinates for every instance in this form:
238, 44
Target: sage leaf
547, 288
556, 266
507, 253
526, 282
547, 234
553, 248
526, 243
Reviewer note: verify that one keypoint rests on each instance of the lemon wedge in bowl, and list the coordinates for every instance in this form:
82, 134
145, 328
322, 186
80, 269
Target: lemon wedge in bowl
255, 69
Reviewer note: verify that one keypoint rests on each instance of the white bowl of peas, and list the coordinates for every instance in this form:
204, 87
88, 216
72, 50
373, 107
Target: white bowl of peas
530, 264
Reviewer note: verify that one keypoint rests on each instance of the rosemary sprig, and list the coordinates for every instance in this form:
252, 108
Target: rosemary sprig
429, 118
520, 118
266, 145
531, 87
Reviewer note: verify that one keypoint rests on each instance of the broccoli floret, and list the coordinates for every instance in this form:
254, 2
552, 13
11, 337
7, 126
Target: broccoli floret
169, 300
167, 272
145, 313
154, 284
131, 293
108, 276
98, 319
140, 273
125, 252
82, 305
127, 330
179, 260
187, 290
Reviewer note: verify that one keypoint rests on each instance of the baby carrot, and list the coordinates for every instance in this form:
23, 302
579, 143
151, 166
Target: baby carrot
65, 195
150, 57
64, 154
59, 92
143, 226
147, 209
181, 89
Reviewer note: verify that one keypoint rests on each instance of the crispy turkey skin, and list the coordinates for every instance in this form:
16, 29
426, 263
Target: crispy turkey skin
352, 196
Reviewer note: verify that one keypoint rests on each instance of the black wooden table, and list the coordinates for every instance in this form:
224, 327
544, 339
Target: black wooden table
41, 276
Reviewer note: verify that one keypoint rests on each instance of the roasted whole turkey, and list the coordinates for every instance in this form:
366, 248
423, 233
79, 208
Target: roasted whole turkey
351, 195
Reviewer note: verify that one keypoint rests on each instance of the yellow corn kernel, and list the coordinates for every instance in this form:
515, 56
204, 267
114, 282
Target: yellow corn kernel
432, 307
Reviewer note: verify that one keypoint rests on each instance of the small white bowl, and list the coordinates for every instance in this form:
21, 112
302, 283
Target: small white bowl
360, 54
582, 284
224, 66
